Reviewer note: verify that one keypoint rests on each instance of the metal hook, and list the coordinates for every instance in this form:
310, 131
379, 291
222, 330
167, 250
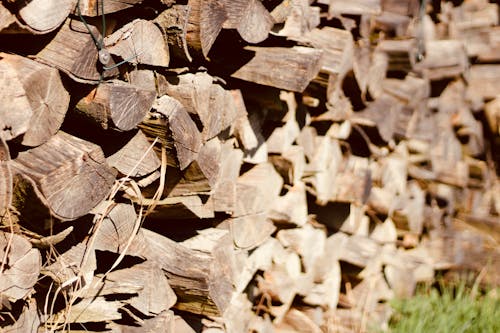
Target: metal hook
104, 55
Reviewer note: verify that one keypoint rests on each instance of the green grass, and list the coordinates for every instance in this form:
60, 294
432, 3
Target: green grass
447, 309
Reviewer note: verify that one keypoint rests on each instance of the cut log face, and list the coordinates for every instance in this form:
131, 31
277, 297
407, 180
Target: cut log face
185, 134
70, 174
136, 158
139, 42
250, 18
40, 16
47, 97
195, 276
20, 266
242, 166
116, 104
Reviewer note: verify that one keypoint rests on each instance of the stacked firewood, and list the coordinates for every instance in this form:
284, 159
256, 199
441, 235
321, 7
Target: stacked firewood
245, 165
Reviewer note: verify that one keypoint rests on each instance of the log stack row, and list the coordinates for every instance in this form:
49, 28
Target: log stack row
242, 166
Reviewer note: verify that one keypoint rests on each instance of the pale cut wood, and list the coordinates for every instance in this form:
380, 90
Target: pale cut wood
394, 23
93, 7
20, 264
224, 191
337, 46
28, 321
147, 283
284, 68
296, 321
298, 17
249, 231
292, 207
290, 164
405, 7
483, 80
6, 18
443, 58
136, 158
70, 174
5, 179
79, 59
357, 7
257, 189
116, 105
47, 97
250, 18
139, 42
43, 16
88, 310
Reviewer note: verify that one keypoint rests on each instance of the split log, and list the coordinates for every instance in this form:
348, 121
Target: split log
291, 68
214, 106
443, 58
200, 279
80, 57
42, 90
483, 80
93, 8
297, 17
250, 18
20, 267
205, 21
139, 42
358, 7
116, 105
70, 175
171, 123
41, 16
136, 158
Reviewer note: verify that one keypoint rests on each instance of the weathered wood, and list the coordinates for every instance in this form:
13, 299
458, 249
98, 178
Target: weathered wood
43, 90
173, 23
6, 18
70, 174
284, 68
173, 124
483, 80
198, 278
20, 266
116, 105
93, 7
205, 21
139, 42
250, 18
41, 16
443, 58
136, 158
5, 179
80, 57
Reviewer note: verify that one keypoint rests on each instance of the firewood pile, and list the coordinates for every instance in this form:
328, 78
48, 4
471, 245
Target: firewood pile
242, 165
